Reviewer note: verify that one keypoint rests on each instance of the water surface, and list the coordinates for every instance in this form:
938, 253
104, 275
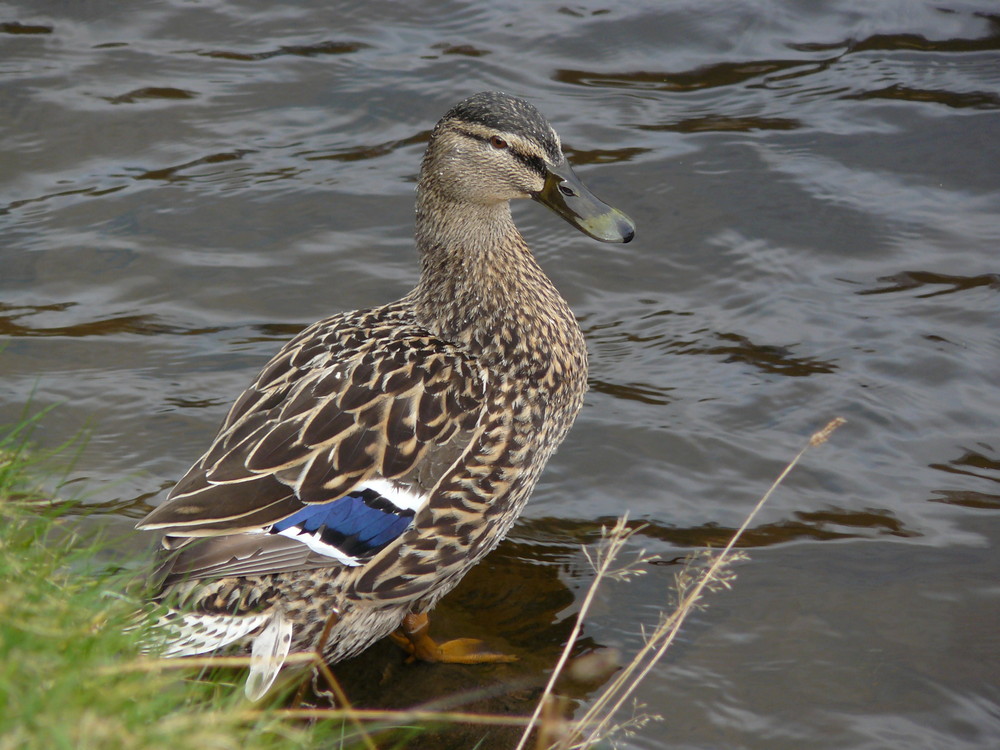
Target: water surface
817, 194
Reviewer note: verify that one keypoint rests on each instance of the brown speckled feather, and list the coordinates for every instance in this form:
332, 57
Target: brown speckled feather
354, 396
383, 452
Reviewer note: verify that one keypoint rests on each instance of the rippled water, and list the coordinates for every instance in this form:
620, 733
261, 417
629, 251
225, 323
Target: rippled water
817, 191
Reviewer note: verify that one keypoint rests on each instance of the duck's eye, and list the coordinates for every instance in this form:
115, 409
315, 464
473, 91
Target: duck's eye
497, 142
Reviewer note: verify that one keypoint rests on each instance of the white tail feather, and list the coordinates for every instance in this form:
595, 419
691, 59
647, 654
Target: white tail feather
191, 634
270, 649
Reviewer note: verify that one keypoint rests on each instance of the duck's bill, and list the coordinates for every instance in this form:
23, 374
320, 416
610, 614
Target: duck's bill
567, 196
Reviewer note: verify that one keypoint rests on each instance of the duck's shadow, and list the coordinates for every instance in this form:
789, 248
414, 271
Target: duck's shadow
516, 600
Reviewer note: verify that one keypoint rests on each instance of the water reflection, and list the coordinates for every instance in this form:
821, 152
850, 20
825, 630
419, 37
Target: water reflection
361, 153
906, 281
328, 47
151, 93
963, 100
974, 463
829, 524
11, 324
16, 27
707, 77
723, 123
967, 499
172, 173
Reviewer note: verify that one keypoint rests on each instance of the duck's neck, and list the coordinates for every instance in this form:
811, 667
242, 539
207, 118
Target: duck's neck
480, 286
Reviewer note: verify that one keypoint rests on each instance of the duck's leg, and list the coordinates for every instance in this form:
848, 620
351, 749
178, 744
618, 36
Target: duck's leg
412, 636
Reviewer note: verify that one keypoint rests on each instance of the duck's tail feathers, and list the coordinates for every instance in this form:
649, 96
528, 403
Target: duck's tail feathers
189, 634
270, 649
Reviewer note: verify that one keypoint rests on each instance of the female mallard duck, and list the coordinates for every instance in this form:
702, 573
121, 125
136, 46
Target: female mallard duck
383, 452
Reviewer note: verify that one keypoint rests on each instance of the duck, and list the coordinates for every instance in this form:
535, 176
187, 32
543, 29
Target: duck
383, 452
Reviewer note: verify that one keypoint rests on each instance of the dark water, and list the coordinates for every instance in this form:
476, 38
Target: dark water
817, 191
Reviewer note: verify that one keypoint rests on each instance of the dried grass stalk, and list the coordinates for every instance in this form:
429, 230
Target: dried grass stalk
714, 573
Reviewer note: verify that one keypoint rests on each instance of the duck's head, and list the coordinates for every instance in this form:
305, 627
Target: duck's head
493, 148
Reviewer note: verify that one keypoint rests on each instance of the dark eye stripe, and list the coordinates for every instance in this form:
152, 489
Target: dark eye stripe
533, 163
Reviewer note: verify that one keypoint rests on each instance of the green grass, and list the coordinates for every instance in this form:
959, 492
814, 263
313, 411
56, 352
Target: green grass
71, 674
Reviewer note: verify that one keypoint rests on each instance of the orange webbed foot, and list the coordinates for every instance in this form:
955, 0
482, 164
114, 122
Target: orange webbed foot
413, 638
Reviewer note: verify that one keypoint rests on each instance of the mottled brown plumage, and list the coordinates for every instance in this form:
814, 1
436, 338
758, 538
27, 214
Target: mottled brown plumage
383, 452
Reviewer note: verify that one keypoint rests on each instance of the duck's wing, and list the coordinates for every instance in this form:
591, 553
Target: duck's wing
326, 458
